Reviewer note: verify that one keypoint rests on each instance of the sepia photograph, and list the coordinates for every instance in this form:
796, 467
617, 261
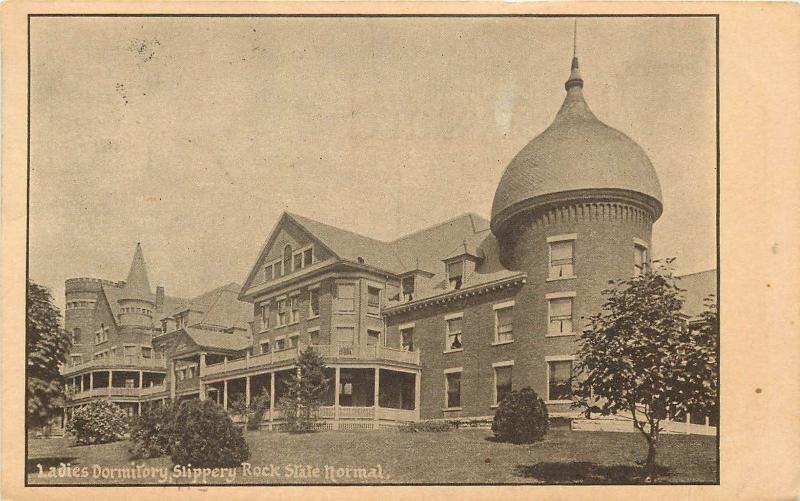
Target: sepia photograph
372, 250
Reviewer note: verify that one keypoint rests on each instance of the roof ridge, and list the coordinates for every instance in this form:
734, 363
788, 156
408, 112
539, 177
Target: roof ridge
470, 215
292, 214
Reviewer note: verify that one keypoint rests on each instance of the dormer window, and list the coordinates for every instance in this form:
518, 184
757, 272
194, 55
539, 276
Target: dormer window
407, 288
455, 274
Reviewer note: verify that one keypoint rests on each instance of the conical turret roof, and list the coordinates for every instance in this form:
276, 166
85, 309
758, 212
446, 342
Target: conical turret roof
576, 152
137, 286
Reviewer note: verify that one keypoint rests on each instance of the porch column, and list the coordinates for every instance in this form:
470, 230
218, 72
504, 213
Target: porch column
336, 380
82, 390
110, 379
271, 398
377, 386
141, 379
172, 379
140, 408
225, 394
247, 390
91, 380
201, 370
417, 378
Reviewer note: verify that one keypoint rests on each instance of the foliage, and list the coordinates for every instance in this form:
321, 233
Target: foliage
521, 418
427, 426
153, 433
47, 347
254, 413
305, 389
639, 356
205, 436
98, 422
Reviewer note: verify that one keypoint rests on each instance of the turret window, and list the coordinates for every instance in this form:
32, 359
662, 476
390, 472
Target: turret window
560, 314
76, 336
640, 257
562, 257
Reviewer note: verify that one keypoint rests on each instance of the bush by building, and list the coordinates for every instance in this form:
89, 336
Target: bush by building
153, 433
520, 418
205, 436
98, 422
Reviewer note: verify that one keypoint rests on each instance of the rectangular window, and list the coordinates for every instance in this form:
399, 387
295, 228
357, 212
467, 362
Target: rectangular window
268, 273
264, 346
313, 303
75, 359
639, 260
345, 335
313, 336
453, 341
560, 316
308, 256
373, 337
282, 313
147, 352
407, 286
504, 324
373, 301
298, 261
559, 380
562, 259
130, 354
407, 339
455, 274
294, 309
502, 382
453, 384
345, 297
280, 344
294, 341
264, 316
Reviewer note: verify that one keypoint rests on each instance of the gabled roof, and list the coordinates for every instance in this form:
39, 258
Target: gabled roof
220, 308
225, 341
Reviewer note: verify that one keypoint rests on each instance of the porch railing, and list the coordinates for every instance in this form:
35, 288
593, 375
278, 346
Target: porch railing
335, 352
115, 362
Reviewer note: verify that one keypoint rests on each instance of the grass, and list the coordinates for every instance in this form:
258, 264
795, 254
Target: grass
462, 456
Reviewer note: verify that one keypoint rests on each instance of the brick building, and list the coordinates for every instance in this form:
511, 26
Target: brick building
441, 323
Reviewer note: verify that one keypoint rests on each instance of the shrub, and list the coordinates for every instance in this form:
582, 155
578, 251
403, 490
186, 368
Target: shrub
520, 418
206, 437
153, 433
429, 426
99, 422
258, 407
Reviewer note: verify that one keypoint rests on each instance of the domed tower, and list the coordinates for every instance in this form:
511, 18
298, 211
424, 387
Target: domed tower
573, 209
136, 300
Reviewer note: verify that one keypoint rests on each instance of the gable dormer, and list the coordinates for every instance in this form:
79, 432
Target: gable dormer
460, 264
413, 281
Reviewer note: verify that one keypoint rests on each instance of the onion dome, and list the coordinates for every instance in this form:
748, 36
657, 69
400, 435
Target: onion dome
137, 286
577, 156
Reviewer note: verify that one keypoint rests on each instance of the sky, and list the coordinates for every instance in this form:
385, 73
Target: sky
193, 135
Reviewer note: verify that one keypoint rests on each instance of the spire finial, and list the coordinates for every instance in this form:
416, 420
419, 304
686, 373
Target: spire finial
575, 79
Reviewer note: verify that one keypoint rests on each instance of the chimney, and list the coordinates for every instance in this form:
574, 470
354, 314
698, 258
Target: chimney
159, 297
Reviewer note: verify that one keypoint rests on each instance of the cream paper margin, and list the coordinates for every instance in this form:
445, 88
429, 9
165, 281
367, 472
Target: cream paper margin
759, 76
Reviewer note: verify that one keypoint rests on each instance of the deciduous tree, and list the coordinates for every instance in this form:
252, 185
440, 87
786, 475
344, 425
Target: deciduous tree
640, 357
47, 347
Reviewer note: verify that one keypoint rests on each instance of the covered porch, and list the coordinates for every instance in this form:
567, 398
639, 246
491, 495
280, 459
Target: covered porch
358, 397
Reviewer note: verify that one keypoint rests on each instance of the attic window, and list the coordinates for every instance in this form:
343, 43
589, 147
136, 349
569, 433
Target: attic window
407, 286
287, 259
455, 274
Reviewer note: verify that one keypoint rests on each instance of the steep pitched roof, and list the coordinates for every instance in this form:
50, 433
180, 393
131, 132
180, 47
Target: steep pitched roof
226, 341
698, 286
220, 307
137, 286
351, 246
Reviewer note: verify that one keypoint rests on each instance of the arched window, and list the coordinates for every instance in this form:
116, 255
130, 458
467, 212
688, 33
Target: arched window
76, 335
287, 259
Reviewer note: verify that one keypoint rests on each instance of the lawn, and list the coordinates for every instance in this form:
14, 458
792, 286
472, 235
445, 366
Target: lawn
463, 456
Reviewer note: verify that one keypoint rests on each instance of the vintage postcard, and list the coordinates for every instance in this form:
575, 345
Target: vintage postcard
269, 246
